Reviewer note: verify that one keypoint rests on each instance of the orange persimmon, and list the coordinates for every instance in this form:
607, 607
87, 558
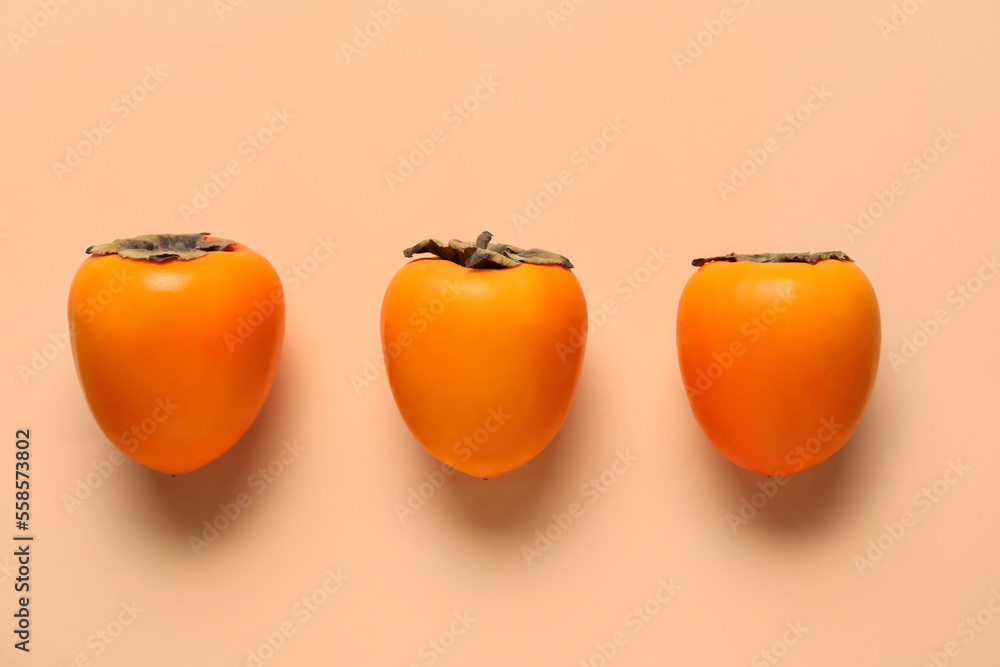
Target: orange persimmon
176, 340
778, 354
483, 347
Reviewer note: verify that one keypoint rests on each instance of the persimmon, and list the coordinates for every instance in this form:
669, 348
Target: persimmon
483, 345
778, 354
176, 340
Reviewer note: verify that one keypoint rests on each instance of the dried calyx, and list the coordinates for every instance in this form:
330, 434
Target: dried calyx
485, 255
160, 247
776, 258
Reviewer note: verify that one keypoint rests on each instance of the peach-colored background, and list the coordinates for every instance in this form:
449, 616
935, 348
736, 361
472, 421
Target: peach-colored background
555, 85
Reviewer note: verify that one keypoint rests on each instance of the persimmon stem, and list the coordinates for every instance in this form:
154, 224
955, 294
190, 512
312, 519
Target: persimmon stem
485, 255
160, 247
776, 258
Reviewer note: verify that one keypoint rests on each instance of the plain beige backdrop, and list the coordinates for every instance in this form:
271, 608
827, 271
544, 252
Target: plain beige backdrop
602, 130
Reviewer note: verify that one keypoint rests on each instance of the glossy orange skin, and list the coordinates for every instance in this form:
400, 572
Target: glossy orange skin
778, 360
483, 363
170, 374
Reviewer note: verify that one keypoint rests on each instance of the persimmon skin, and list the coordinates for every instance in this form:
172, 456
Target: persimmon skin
483, 363
778, 359
170, 375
